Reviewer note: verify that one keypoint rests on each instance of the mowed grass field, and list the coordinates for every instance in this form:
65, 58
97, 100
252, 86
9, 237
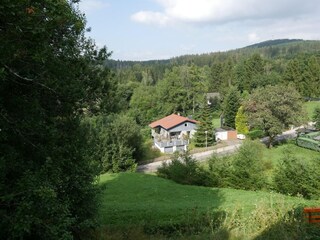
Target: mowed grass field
142, 199
275, 154
310, 106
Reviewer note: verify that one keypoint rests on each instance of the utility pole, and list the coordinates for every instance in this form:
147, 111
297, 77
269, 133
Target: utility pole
206, 138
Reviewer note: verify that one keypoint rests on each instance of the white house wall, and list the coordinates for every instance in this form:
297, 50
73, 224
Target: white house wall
182, 128
221, 135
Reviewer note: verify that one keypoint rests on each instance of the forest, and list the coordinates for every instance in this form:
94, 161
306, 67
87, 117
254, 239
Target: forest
69, 113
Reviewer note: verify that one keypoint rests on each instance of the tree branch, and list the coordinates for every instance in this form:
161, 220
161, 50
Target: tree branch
28, 79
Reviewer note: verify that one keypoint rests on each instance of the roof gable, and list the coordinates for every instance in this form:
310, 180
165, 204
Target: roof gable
171, 121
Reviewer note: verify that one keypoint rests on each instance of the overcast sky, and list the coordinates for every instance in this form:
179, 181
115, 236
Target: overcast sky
161, 29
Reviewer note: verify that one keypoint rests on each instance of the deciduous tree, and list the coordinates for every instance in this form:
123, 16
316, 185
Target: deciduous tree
50, 76
274, 108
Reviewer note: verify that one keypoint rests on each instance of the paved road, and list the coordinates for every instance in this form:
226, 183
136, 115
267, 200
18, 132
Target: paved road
290, 134
152, 167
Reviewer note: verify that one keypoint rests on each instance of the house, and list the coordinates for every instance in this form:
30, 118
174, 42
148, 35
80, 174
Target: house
172, 133
225, 134
211, 97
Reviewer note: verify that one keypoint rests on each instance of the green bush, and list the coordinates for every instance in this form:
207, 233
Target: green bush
255, 134
248, 167
183, 169
297, 177
220, 169
244, 170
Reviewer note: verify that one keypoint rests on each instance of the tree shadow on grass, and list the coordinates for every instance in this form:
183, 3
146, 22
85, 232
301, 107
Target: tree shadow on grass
156, 208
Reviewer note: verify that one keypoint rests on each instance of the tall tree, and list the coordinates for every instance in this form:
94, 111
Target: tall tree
230, 106
274, 108
205, 132
241, 121
50, 75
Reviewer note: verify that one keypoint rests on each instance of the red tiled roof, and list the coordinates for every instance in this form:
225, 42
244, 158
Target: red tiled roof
170, 121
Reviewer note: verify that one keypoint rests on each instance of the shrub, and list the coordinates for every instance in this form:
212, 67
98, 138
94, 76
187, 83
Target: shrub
255, 134
248, 167
183, 169
297, 177
220, 169
244, 170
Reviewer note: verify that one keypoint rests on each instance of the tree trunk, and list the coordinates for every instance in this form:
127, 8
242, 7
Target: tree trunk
270, 142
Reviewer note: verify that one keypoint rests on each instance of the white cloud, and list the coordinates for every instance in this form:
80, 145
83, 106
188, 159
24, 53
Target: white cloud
148, 17
253, 37
90, 6
221, 11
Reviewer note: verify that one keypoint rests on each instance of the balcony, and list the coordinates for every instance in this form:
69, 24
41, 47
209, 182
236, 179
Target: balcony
170, 143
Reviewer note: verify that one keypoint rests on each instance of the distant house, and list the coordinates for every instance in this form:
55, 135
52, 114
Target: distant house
172, 133
211, 97
222, 134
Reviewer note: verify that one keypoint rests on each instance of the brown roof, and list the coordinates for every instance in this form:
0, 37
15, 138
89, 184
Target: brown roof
170, 121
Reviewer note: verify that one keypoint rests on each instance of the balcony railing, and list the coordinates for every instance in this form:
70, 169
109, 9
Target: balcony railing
171, 143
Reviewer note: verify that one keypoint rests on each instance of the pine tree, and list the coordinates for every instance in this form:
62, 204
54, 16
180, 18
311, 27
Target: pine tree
242, 121
205, 133
231, 106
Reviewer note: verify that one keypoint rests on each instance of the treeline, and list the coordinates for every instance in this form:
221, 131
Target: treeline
152, 89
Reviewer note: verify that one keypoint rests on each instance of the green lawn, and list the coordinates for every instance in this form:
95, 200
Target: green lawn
310, 106
216, 122
275, 154
141, 199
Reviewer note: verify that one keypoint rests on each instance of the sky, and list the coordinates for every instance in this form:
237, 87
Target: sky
161, 29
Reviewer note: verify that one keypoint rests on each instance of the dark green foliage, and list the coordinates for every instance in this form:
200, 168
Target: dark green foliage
221, 172
303, 73
143, 105
274, 108
116, 142
248, 70
184, 170
182, 90
244, 170
248, 167
316, 118
205, 132
230, 107
255, 134
298, 177
273, 43
49, 76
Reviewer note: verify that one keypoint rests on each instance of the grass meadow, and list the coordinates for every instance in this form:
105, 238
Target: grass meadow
310, 106
142, 206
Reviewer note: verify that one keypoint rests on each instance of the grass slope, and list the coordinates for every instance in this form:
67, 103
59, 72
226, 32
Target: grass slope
310, 107
275, 154
140, 199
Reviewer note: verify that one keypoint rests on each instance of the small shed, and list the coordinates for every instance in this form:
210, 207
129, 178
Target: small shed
223, 134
